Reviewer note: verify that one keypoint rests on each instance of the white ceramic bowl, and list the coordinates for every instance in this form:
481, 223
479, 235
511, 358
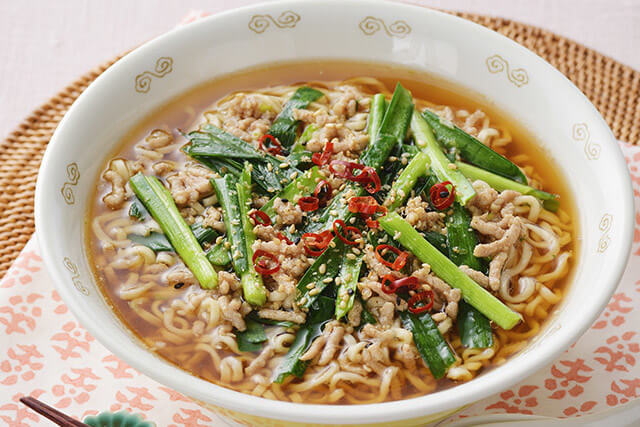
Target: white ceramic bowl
510, 76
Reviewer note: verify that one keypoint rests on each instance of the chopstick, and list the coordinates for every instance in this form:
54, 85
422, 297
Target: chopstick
50, 413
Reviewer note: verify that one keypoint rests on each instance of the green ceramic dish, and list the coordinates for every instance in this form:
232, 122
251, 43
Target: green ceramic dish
118, 419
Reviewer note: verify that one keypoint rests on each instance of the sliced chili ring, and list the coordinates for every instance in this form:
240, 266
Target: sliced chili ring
262, 260
421, 302
442, 195
391, 284
308, 203
316, 243
398, 263
323, 191
273, 146
366, 205
322, 159
260, 218
373, 181
342, 230
284, 238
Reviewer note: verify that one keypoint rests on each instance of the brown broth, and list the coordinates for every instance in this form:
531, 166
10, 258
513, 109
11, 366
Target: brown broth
185, 112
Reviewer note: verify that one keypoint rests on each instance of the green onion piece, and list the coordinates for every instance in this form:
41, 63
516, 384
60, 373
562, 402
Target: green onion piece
229, 194
349, 275
252, 287
439, 162
472, 150
403, 185
431, 345
473, 293
393, 129
376, 114
285, 127
158, 201
500, 183
219, 255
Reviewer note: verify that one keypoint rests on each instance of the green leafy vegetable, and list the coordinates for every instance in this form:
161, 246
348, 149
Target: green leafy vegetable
474, 328
431, 345
472, 150
320, 313
251, 339
322, 272
285, 127
137, 210
254, 316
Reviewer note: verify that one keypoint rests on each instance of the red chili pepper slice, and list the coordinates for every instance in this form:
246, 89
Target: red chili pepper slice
316, 243
309, 203
273, 147
366, 205
262, 260
371, 223
391, 284
323, 191
323, 158
398, 263
342, 230
373, 183
442, 195
284, 238
260, 218
424, 298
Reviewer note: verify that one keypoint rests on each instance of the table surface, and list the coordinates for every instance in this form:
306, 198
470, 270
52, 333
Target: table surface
44, 45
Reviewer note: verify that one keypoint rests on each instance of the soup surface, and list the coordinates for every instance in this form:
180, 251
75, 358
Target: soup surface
370, 319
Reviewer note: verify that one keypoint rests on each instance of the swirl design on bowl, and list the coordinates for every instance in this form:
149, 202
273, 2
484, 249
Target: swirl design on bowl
371, 25
580, 133
73, 176
605, 226
287, 19
517, 76
164, 65
75, 276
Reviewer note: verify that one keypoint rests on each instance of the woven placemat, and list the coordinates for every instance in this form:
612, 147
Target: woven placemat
613, 88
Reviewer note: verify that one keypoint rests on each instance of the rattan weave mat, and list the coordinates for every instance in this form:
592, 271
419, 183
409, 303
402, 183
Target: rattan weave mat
613, 88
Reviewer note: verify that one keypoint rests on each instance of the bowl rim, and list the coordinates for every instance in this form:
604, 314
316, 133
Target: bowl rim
433, 403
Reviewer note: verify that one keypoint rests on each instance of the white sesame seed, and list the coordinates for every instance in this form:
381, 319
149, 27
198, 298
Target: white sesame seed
269, 167
327, 280
351, 256
314, 291
323, 268
283, 165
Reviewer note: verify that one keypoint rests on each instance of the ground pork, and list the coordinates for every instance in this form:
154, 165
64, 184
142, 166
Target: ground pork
227, 283
510, 238
487, 228
448, 295
495, 270
213, 219
417, 214
282, 315
475, 275
190, 184
164, 167
485, 196
233, 311
287, 212
347, 103
181, 275
158, 138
